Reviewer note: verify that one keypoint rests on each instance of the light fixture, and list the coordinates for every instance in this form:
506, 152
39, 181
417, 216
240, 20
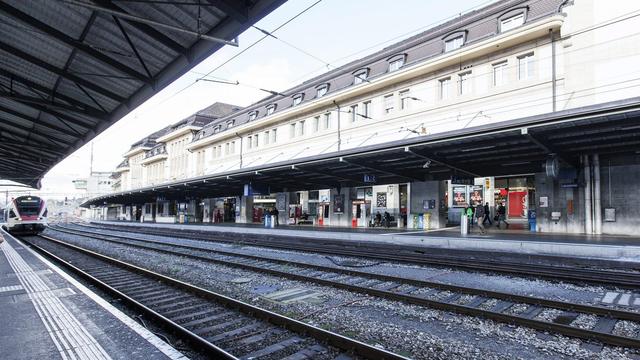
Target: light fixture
427, 164
478, 148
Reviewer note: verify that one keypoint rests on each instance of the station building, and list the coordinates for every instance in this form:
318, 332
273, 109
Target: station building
530, 104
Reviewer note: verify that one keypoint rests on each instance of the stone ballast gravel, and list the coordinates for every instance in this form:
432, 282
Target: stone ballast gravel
405, 329
553, 290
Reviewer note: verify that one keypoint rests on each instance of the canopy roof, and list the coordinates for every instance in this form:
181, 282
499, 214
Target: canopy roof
69, 69
519, 146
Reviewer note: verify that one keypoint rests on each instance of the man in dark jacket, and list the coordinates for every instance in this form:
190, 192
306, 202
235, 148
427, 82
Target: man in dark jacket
502, 215
480, 215
487, 214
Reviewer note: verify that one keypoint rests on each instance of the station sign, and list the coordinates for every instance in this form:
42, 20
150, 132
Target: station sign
368, 178
461, 180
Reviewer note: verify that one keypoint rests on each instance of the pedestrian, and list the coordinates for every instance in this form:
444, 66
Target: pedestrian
469, 212
487, 214
275, 213
502, 215
480, 215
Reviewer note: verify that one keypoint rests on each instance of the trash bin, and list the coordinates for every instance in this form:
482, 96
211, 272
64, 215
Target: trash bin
273, 221
427, 221
267, 221
531, 214
464, 223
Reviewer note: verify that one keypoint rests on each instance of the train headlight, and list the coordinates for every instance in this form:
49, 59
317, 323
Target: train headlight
19, 219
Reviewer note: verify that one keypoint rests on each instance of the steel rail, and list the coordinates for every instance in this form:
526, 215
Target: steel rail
341, 342
361, 250
603, 337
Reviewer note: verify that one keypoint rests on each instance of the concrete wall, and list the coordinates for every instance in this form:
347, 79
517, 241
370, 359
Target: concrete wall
620, 189
418, 193
568, 201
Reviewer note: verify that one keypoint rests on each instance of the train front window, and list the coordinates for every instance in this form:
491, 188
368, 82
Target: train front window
28, 210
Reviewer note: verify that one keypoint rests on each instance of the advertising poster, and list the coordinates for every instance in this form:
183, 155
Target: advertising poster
381, 200
338, 204
459, 196
476, 195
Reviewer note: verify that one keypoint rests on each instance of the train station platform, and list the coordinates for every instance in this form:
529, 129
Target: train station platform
47, 314
619, 248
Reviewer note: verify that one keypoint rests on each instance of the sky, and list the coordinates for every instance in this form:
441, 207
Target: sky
334, 32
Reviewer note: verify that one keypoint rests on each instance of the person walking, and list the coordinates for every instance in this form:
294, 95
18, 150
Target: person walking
275, 214
502, 215
469, 212
487, 214
480, 215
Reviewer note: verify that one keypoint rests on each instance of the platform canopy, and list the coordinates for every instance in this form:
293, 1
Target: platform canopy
69, 69
551, 143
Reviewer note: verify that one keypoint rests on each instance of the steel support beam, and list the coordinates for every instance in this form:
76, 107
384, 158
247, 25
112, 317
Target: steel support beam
441, 162
38, 122
28, 100
388, 172
60, 72
68, 40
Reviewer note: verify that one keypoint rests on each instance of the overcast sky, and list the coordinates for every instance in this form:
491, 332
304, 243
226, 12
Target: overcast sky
333, 31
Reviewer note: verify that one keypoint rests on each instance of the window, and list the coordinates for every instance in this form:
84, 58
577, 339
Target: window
499, 73
271, 108
301, 128
253, 115
249, 142
388, 104
445, 85
405, 99
266, 138
525, 66
327, 120
292, 130
316, 124
322, 90
230, 123
360, 76
226, 149
218, 151
255, 141
233, 147
454, 43
274, 137
366, 109
297, 99
511, 22
396, 64
354, 112
464, 83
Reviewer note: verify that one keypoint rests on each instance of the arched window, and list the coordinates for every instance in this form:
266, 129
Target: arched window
321, 90
271, 109
360, 75
396, 62
297, 99
454, 40
512, 18
253, 115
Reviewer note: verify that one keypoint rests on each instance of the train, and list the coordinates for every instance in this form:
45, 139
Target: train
25, 215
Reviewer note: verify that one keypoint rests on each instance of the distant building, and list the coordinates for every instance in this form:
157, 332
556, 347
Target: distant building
98, 183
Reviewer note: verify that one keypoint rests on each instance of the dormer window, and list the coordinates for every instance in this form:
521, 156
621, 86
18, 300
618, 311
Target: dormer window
454, 43
253, 115
322, 90
297, 99
271, 108
396, 62
360, 76
511, 22
230, 123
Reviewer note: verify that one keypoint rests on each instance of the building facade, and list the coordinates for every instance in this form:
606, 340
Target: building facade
508, 60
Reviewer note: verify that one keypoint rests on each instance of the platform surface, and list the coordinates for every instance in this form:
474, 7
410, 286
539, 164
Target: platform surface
513, 240
46, 314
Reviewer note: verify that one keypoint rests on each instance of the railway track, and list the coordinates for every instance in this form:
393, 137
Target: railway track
401, 254
503, 307
218, 326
